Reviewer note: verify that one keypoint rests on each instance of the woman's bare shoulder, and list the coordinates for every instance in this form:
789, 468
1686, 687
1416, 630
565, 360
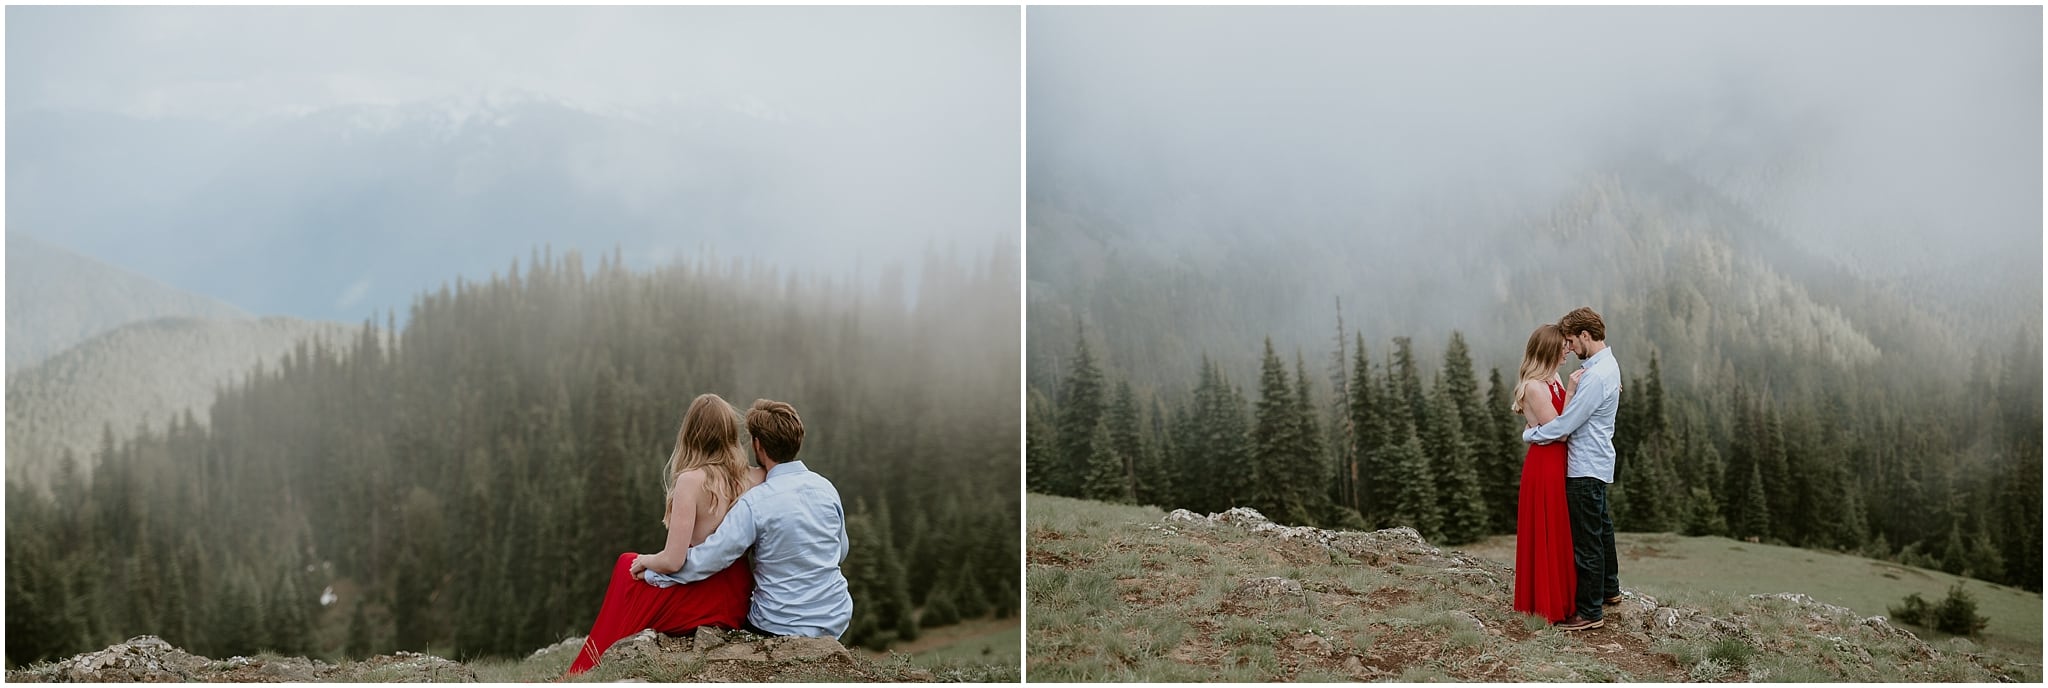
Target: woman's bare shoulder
692, 479
756, 475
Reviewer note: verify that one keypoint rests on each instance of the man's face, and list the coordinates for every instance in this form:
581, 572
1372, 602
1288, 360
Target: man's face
1577, 344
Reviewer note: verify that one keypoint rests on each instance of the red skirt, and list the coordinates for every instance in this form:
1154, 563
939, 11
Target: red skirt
1546, 581
632, 605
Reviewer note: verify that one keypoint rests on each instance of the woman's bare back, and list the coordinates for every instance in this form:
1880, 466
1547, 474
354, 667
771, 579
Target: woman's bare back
710, 512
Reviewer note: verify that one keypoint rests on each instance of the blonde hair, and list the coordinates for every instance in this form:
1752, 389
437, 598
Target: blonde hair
709, 439
1540, 359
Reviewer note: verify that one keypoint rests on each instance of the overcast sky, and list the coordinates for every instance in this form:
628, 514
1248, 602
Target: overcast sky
814, 138
1890, 129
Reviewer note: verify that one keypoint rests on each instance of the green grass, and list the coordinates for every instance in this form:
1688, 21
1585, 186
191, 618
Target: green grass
1687, 565
1116, 594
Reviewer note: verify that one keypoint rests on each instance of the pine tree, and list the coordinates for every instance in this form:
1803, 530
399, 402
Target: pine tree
1756, 510
1126, 439
1308, 502
1273, 437
1080, 410
1777, 480
1108, 477
1500, 461
1155, 476
1220, 444
1703, 513
1040, 465
1406, 385
1461, 501
1412, 498
1368, 468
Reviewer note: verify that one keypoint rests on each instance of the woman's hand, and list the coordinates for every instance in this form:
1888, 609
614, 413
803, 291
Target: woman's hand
638, 567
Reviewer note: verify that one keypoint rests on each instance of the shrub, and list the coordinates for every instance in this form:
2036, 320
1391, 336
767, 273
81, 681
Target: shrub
1955, 615
1913, 610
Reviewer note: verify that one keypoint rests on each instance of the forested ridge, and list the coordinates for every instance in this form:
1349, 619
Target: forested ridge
1769, 392
1387, 443
465, 482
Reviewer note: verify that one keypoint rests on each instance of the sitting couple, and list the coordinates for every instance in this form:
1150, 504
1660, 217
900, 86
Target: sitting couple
1565, 565
717, 509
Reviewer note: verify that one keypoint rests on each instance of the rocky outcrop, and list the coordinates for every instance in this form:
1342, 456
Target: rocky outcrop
141, 659
708, 655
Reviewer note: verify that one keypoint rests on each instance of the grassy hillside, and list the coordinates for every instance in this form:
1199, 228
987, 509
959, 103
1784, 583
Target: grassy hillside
1665, 565
56, 299
1119, 593
142, 372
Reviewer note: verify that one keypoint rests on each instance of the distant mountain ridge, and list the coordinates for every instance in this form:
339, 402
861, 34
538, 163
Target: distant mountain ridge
1673, 261
57, 298
141, 373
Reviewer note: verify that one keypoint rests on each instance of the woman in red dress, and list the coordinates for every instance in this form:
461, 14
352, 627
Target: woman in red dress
1545, 579
705, 475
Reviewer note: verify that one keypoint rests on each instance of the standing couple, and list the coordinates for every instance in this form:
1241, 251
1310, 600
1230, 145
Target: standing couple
1565, 566
717, 509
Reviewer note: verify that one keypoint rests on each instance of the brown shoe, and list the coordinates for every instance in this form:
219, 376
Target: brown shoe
1579, 623
1611, 601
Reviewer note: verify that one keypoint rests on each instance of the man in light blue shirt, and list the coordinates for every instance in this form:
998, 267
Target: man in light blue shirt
1588, 422
794, 523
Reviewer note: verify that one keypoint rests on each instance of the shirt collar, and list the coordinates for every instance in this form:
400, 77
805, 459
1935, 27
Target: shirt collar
1604, 351
785, 468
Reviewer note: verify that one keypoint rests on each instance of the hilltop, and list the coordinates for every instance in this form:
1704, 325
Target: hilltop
139, 373
707, 655
57, 298
1122, 593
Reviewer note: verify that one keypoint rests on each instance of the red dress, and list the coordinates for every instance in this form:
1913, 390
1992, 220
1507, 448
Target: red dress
632, 605
1545, 579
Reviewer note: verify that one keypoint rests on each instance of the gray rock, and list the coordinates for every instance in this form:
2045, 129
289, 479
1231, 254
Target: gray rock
1803, 600
1242, 515
142, 658
643, 644
1468, 619
571, 644
797, 649
1185, 516
709, 638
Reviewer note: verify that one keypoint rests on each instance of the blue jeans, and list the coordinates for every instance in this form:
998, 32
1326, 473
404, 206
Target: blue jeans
1593, 552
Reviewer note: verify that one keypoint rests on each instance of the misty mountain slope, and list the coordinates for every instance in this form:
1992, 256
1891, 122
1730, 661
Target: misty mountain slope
57, 298
1673, 264
136, 374
534, 413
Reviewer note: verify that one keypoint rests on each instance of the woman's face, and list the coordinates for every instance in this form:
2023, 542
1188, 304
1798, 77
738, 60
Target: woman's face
1564, 347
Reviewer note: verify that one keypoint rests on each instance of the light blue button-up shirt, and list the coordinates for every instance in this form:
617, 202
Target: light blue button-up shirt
797, 528
1588, 419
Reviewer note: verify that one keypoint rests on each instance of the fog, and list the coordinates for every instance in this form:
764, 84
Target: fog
330, 162
1745, 186
1888, 137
